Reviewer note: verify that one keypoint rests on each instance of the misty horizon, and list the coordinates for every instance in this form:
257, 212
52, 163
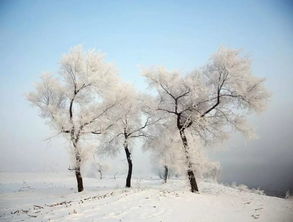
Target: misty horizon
179, 36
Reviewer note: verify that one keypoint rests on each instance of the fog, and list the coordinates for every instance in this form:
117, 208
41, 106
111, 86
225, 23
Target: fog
179, 36
264, 162
28, 144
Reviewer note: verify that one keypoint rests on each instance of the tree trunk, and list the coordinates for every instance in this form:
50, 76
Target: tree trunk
101, 174
77, 171
78, 179
129, 161
192, 181
166, 174
190, 174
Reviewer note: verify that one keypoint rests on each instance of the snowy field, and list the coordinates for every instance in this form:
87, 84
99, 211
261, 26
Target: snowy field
53, 197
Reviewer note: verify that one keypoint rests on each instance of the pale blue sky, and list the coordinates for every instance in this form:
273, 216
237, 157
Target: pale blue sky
177, 34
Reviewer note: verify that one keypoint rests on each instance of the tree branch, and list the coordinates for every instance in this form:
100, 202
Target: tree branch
98, 116
140, 135
165, 89
141, 128
167, 111
101, 131
184, 94
218, 93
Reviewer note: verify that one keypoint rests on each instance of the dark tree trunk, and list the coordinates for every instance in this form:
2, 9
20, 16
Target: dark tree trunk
77, 170
192, 181
129, 161
166, 174
78, 179
190, 174
101, 174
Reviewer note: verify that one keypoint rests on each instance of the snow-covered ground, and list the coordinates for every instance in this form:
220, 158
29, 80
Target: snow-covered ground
53, 197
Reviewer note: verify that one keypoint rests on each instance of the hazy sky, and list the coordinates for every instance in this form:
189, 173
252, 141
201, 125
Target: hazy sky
133, 34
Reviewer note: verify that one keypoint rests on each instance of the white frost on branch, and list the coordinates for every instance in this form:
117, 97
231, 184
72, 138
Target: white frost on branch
213, 99
208, 103
75, 103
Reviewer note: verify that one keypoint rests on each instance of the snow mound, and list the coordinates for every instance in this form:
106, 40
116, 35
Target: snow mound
53, 197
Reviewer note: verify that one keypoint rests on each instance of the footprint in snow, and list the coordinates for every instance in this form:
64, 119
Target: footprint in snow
256, 214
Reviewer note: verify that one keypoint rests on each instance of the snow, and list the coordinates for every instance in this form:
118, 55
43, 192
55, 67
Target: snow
53, 197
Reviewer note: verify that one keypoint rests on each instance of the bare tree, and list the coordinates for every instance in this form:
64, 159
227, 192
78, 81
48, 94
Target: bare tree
210, 101
75, 103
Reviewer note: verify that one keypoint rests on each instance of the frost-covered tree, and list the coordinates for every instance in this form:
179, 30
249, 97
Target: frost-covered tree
208, 102
132, 120
166, 148
101, 168
97, 168
163, 141
76, 101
